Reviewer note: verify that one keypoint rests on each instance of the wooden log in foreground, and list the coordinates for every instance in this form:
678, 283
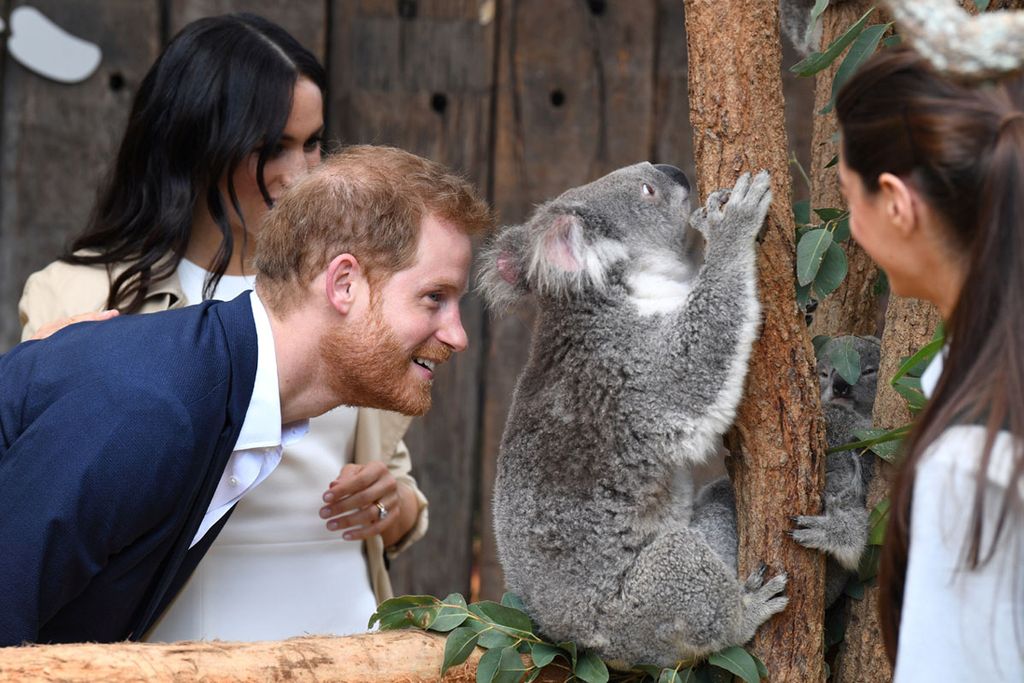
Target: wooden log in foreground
395, 656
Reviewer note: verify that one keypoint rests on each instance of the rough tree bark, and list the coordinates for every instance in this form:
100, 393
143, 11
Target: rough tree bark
909, 325
407, 656
853, 308
736, 111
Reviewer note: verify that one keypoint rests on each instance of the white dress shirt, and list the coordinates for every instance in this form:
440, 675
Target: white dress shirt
262, 437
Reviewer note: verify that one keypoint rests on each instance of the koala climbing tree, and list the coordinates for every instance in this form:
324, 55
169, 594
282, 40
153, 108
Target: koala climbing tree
634, 374
736, 112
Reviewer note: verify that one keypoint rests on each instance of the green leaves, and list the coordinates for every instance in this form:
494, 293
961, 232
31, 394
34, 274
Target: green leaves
460, 644
515, 654
845, 358
739, 662
820, 60
809, 253
820, 263
863, 47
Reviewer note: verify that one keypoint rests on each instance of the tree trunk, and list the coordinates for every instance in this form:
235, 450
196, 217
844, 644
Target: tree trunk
853, 308
736, 111
407, 656
909, 325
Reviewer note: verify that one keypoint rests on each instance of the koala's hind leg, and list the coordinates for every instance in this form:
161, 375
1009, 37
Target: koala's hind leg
692, 603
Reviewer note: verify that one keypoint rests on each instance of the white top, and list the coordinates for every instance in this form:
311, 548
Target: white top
960, 625
275, 571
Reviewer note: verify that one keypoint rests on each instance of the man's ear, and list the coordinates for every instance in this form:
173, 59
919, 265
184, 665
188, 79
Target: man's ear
900, 204
344, 282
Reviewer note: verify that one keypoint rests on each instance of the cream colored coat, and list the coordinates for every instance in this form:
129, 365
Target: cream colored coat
61, 290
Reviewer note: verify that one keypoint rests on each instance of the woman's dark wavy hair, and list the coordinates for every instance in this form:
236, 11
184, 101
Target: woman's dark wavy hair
221, 90
962, 148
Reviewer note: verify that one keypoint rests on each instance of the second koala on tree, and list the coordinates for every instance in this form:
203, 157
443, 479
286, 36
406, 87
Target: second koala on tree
639, 355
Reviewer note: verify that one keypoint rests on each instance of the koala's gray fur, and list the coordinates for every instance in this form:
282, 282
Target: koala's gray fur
637, 364
841, 530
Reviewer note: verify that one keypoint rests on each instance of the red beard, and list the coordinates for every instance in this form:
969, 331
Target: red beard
369, 368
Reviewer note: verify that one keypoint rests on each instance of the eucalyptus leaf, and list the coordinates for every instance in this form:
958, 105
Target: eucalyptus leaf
738, 662
510, 619
762, 670
670, 676
570, 647
819, 7
832, 271
982, 5
451, 614
877, 521
832, 162
406, 610
820, 60
533, 676
819, 341
802, 212
459, 645
828, 214
892, 41
687, 675
867, 568
842, 230
917, 362
488, 666
809, 253
543, 654
510, 667
845, 358
803, 295
494, 639
915, 399
863, 47
590, 668
514, 601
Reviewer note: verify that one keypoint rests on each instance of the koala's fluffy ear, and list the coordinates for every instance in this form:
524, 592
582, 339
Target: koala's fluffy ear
502, 274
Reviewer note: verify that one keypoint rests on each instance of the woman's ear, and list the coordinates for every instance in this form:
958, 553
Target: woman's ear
900, 204
344, 282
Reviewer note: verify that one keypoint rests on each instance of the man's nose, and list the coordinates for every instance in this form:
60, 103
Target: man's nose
452, 333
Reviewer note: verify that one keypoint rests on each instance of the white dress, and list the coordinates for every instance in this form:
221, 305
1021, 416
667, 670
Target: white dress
275, 571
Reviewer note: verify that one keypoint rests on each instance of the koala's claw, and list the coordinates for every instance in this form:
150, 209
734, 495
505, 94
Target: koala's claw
826, 534
761, 601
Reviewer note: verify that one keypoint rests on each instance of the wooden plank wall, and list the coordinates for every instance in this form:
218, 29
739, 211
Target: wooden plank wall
524, 97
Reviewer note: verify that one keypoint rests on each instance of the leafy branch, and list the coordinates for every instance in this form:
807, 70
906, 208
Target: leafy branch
514, 653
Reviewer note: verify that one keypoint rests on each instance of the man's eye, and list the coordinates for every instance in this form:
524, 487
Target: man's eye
312, 144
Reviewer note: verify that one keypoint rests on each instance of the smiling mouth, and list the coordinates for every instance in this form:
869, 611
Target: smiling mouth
425, 363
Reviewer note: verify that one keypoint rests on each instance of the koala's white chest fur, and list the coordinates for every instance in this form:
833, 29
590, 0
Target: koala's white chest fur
659, 284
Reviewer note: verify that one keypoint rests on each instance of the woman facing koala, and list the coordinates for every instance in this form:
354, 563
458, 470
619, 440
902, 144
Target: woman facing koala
933, 172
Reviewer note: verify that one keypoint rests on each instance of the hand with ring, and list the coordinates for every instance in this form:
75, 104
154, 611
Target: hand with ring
363, 501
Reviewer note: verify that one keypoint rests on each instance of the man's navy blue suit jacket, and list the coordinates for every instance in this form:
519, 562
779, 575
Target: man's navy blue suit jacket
113, 437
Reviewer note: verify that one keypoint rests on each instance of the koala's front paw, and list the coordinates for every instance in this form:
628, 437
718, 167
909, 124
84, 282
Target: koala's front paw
735, 216
761, 601
841, 535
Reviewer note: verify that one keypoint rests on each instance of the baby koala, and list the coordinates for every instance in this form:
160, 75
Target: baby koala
638, 359
841, 530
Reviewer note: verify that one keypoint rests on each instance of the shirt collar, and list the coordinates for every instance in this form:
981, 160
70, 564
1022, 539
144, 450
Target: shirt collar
262, 424
930, 376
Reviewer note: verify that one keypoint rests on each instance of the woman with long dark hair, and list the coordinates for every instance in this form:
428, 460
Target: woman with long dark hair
933, 172
226, 119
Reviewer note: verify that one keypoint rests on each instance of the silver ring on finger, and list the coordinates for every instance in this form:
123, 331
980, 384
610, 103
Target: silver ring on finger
382, 512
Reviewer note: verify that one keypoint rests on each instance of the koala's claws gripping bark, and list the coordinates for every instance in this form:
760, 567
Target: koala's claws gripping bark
736, 215
761, 601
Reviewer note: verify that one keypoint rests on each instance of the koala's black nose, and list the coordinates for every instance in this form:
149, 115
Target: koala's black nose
675, 174
840, 387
